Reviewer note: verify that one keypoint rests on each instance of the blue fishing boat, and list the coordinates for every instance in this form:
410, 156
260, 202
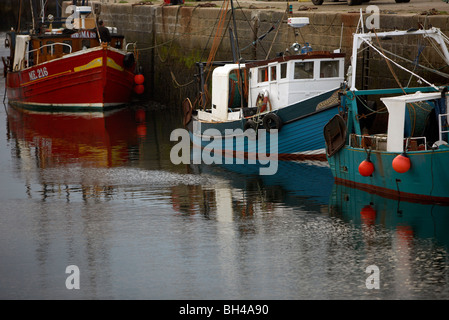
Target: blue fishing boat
406, 159
277, 106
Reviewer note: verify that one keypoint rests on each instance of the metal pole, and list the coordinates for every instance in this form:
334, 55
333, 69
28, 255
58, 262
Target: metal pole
238, 55
235, 30
58, 13
32, 14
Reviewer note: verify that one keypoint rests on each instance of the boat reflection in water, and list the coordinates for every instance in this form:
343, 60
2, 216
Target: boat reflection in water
94, 139
408, 219
239, 190
51, 148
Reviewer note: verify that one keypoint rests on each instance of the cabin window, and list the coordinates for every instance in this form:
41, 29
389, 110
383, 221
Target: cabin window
303, 70
329, 69
67, 49
273, 71
41, 47
50, 49
262, 74
283, 70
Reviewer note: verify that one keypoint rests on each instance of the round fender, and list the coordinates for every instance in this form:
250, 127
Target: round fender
272, 121
187, 110
128, 60
251, 124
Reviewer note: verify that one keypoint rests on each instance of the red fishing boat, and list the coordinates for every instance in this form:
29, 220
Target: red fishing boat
69, 68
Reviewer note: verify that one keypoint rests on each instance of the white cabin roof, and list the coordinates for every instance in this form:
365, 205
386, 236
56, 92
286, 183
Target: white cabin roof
396, 119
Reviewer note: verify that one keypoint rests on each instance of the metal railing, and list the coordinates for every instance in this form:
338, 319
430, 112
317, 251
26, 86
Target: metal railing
440, 125
52, 47
378, 142
48, 45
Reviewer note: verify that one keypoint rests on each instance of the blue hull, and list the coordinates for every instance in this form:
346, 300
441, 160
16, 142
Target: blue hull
300, 137
423, 182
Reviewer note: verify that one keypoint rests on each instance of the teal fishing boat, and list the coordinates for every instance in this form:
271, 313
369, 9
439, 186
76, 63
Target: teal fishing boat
406, 159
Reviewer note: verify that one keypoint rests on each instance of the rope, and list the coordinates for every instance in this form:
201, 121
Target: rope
249, 24
216, 43
276, 34
422, 79
171, 42
327, 29
430, 69
177, 85
389, 66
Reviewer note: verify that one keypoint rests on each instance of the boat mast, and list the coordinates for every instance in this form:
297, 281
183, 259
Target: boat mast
235, 32
32, 15
42, 11
237, 55
20, 14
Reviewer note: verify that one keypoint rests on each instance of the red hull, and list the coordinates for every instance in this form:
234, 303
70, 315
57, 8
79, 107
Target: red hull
90, 79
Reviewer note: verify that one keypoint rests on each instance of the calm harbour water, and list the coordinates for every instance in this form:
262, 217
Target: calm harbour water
101, 193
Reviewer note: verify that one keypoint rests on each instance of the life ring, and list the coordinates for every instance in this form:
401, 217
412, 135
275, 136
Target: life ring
272, 121
187, 110
262, 102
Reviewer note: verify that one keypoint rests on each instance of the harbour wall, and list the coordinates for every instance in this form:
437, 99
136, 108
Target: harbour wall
170, 39
12, 10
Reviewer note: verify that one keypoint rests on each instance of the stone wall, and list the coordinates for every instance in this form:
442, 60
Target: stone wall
170, 39
10, 10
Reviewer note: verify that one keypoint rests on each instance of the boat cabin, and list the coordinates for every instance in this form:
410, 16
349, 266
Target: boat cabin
294, 78
281, 81
416, 122
30, 50
48, 43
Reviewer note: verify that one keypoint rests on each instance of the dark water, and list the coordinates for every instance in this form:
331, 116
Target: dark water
100, 192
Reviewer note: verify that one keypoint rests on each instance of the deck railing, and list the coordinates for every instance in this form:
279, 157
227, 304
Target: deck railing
443, 124
52, 49
378, 142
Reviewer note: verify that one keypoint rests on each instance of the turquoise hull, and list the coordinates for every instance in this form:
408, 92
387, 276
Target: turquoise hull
427, 180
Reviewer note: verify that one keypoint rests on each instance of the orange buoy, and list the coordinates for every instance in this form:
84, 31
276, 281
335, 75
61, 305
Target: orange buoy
366, 168
368, 214
139, 79
139, 89
141, 130
401, 163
